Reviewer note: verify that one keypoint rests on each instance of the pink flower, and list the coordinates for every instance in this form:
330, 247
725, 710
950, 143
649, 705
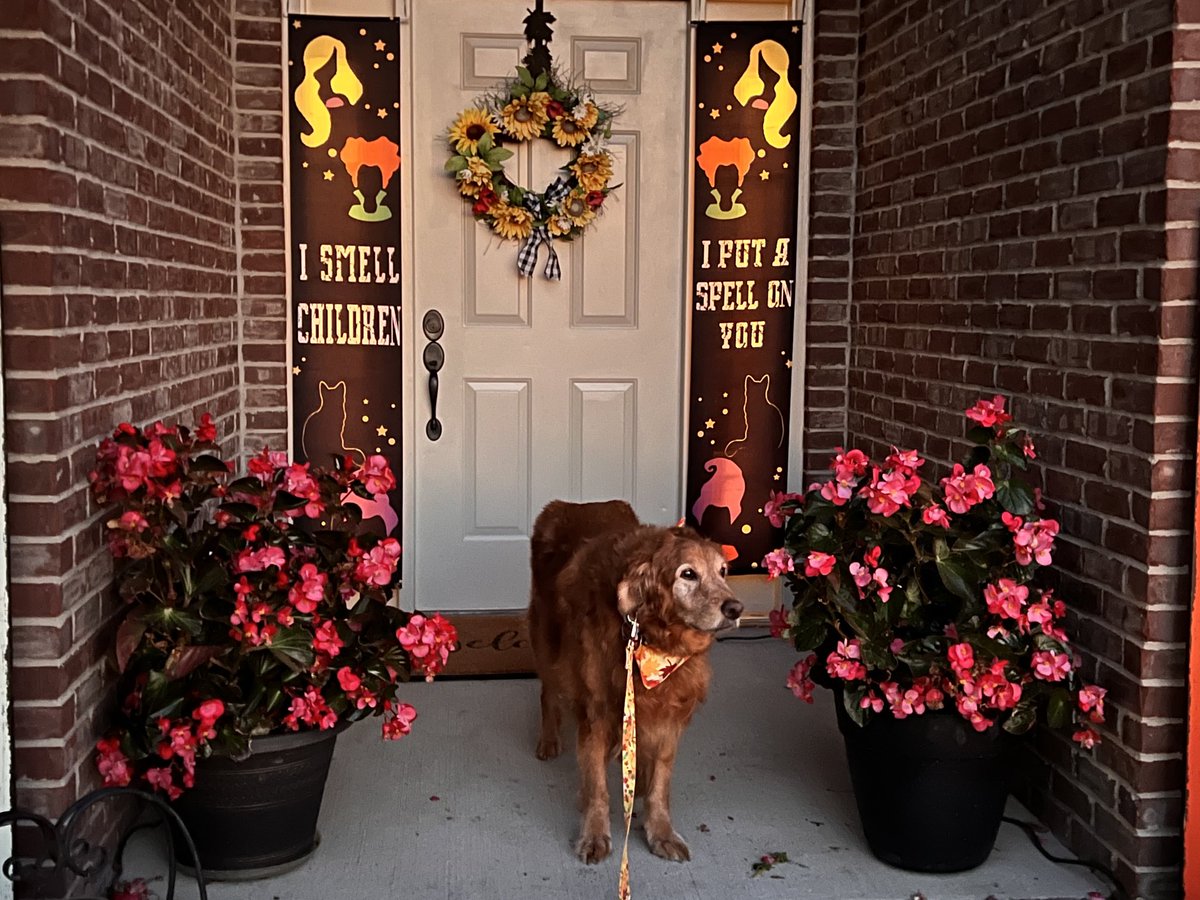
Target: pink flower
258, 560
906, 462
348, 680
377, 475
135, 889
778, 562
871, 701
779, 506
962, 658
886, 494
265, 465
1006, 598
307, 595
844, 662
1035, 541
1027, 447
1091, 701
206, 430
819, 563
1050, 666
131, 520
207, 714
989, 413
326, 640
113, 765
848, 465
310, 709
965, 490
297, 481
838, 492
1086, 737
935, 515
428, 642
161, 779
397, 722
378, 565
798, 680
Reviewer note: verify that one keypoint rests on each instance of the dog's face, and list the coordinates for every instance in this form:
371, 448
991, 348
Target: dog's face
683, 580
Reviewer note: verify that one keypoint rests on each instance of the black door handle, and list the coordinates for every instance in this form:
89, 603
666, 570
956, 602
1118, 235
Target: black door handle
433, 358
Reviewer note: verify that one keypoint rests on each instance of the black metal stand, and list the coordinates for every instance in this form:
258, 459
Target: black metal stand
66, 855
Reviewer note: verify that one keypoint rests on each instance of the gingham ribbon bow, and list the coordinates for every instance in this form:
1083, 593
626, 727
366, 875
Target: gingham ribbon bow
527, 255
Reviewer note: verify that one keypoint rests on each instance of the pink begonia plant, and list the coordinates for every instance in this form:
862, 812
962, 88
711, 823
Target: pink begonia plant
255, 605
915, 595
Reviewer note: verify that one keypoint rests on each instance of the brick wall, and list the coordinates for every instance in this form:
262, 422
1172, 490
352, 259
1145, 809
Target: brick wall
258, 100
1011, 223
117, 238
831, 209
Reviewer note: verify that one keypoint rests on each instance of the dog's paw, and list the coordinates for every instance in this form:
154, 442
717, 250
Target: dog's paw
549, 748
594, 847
669, 846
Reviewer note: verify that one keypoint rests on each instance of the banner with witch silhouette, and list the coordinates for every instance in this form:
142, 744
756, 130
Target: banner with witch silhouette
745, 167
344, 156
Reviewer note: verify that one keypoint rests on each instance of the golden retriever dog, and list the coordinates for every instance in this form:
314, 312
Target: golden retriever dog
594, 568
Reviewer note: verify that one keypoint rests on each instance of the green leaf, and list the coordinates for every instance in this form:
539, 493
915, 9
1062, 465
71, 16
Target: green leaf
499, 154
977, 434
1015, 497
293, 648
1023, 717
811, 627
524, 77
956, 578
851, 702
1058, 708
206, 462
913, 599
455, 164
877, 656
486, 143
161, 697
185, 660
542, 80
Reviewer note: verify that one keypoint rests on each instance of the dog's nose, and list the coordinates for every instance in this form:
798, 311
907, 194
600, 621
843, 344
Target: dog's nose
732, 609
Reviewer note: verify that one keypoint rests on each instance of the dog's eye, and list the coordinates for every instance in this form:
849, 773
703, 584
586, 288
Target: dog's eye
724, 571
689, 574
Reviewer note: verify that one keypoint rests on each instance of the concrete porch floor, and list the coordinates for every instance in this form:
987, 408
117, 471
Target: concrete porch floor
460, 809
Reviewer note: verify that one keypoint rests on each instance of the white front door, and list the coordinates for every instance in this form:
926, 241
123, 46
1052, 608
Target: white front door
566, 389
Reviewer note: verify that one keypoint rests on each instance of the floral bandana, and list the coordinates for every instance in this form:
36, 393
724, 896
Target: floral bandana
654, 667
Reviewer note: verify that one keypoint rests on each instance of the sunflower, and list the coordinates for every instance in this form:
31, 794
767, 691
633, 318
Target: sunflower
576, 208
568, 132
586, 114
511, 222
559, 225
525, 117
471, 125
476, 176
592, 171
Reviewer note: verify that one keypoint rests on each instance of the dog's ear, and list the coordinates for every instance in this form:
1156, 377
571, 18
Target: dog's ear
635, 588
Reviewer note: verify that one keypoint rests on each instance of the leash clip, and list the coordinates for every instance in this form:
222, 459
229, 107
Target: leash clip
633, 630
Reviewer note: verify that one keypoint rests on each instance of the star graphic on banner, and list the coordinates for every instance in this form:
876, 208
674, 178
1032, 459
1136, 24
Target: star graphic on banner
717, 48
328, 175
380, 46
776, 477
795, 29
381, 431
716, 114
295, 23
295, 370
710, 424
764, 175
788, 363
381, 112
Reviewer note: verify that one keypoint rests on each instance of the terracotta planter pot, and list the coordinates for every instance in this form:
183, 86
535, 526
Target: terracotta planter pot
930, 789
258, 817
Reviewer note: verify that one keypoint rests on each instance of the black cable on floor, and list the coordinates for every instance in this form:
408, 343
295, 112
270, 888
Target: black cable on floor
747, 637
1031, 829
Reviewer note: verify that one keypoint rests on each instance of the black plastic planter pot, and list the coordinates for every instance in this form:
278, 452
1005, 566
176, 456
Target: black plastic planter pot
930, 789
258, 817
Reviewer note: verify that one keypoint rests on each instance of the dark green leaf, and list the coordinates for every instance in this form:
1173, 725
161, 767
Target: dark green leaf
1058, 708
293, 648
207, 463
956, 578
524, 77
455, 164
852, 703
129, 635
161, 697
1023, 717
979, 435
1015, 497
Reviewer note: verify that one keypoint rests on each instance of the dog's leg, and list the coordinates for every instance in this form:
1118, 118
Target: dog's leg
549, 745
595, 840
656, 757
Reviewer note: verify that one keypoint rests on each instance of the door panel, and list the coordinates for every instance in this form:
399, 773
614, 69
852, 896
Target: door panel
565, 389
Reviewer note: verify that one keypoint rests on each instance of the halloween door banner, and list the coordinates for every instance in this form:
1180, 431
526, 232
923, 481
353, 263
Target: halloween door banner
745, 168
344, 158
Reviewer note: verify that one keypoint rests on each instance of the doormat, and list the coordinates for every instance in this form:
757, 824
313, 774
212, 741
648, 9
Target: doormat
491, 644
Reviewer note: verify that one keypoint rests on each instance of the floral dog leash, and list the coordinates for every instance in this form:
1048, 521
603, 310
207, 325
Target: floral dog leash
654, 667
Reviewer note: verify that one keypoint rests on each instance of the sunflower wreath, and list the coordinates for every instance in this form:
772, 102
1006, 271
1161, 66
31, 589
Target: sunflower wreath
524, 109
